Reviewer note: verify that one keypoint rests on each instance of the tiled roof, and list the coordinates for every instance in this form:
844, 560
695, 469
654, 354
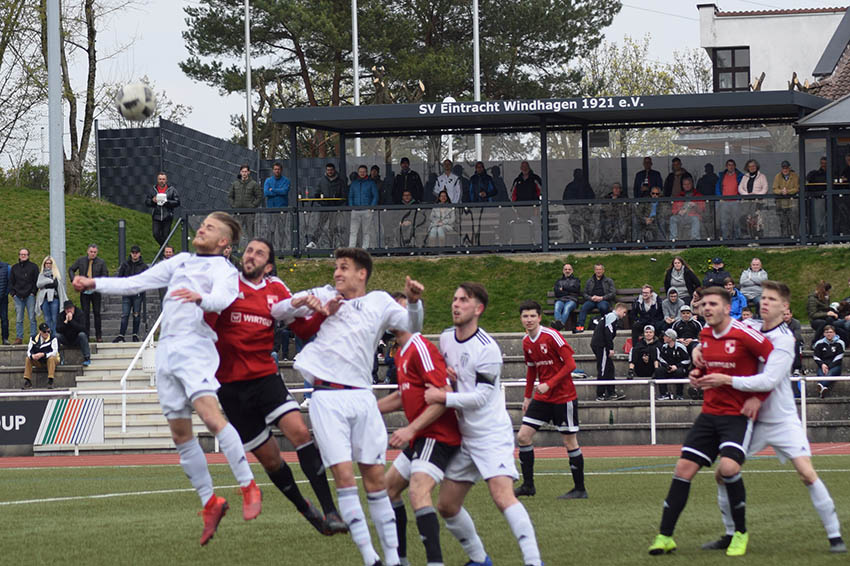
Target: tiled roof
719, 13
837, 84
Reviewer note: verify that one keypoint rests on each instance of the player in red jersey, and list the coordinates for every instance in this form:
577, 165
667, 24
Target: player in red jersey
731, 347
252, 392
429, 441
550, 361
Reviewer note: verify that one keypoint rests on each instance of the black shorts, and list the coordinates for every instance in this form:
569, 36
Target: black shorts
563, 415
426, 455
253, 406
727, 435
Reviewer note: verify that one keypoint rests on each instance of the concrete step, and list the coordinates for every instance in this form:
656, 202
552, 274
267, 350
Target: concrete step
110, 447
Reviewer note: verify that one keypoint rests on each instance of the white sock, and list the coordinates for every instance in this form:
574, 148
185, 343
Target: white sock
725, 509
826, 508
231, 445
194, 464
523, 530
383, 516
463, 529
352, 514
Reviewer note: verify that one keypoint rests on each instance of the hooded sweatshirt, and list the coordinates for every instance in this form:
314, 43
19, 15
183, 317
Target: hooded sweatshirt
671, 309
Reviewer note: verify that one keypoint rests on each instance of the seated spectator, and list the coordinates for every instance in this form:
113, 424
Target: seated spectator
599, 294
673, 182
407, 179
671, 308
481, 187
71, 330
746, 314
787, 183
818, 309
131, 303
567, 293
653, 218
442, 220
616, 215
448, 182
681, 277
673, 363
687, 213
716, 275
727, 210
646, 310
751, 280
43, 351
828, 355
696, 305
51, 292
687, 329
528, 186
753, 182
738, 301
646, 178
797, 330
708, 182
411, 220
643, 357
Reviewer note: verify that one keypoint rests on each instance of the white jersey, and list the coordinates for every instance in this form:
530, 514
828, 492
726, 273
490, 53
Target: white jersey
344, 348
477, 361
211, 276
779, 407
449, 183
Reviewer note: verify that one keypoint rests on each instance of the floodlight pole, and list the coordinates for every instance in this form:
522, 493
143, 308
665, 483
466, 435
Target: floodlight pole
248, 114
476, 63
54, 119
355, 52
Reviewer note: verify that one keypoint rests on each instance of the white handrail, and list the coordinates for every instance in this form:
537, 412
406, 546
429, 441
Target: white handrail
145, 343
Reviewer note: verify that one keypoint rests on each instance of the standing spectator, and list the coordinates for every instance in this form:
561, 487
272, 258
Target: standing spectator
245, 192
162, 199
708, 182
671, 308
362, 192
737, 301
753, 182
687, 212
578, 189
410, 222
448, 182
167, 252
51, 292
828, 355
815, 186
751, 280
617, 215
646, 178
787, 183
715, 276
643, 357
527, 186
71, 330
5, 272
567, 292
681, 277
673, 363
375, 175
688, 329
330, 186
727, 210
646, 310
442, 220
653, 217
90, 266
43, 351
818, 309
602, 344
276, 188
481, 187
599, 293
23, 280
131, 303
673, 182
407, 180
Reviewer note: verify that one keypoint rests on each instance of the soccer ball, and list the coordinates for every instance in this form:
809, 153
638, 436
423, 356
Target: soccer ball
136, 102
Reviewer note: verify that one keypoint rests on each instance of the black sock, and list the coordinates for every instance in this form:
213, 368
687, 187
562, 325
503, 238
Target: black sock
526, 460
429, 531
401, 527
577, 467
737, 500
311, 465
674, 504
284, 481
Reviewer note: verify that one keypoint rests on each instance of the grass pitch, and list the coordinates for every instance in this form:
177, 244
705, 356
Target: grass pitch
146, 515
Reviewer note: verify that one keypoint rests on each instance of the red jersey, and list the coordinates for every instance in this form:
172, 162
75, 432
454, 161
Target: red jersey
246, 330
736, 351
417, 364
550, 360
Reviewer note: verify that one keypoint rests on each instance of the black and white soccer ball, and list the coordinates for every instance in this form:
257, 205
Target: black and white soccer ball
136, 102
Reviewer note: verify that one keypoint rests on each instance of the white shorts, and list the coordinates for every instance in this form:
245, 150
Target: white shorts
483, 458
185, 370
787, 439
348, 427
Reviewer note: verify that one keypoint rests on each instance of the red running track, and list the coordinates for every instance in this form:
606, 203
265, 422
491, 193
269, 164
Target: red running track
171, 458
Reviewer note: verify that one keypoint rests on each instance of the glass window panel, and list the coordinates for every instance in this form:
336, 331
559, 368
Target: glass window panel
742, 81
742, 57
723, 58
724, 81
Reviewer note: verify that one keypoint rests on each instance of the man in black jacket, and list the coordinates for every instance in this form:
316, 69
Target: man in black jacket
42, 352
602, 344
71, 331
132, 266
567, 293
673, 363
5, 273
90, 266
643, 357
715, 276
407, 180
646, 178
163, 199
22, 286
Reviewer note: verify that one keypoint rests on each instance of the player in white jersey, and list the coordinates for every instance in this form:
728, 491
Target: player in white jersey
777, 423
186, 357
347, 424
487, 449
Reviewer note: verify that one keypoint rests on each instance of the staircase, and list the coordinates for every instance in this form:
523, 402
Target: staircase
111, 316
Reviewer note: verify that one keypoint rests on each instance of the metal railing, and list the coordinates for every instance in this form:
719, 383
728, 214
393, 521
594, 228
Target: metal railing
147, 342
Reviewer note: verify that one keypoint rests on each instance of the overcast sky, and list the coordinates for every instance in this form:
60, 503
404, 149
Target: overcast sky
159, 47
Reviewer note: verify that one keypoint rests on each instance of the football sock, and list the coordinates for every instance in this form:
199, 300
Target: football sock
194, 464
521, 526
401, 526
311, 465
526, 461
429, 530
825, 507
737, 500
383, 516
577, 467
677, 497
352, 514
231, 445
463, 529
725, 509
283, 480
